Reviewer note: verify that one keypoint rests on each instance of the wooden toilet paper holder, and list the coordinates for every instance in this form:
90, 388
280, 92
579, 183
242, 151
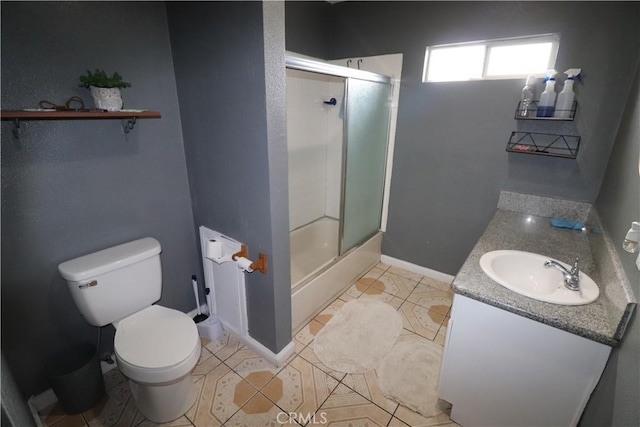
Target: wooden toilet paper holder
260, 264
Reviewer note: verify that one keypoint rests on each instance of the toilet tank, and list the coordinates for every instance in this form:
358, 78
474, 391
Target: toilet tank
114, 283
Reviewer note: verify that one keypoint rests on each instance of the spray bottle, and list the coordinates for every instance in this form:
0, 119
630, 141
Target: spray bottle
548, 97
564, 106
526, 99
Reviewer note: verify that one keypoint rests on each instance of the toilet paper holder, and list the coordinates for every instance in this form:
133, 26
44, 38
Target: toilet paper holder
260, 264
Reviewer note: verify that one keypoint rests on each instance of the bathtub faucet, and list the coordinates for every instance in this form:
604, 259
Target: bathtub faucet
571, 278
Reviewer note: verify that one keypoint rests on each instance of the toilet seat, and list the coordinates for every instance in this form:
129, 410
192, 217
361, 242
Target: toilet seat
156, 344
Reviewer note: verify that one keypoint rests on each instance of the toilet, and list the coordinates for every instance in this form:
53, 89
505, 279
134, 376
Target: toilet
156, 347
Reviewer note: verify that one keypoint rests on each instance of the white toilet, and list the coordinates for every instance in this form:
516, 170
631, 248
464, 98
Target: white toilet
156, 347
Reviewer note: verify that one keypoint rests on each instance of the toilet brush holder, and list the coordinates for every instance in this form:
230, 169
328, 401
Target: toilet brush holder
210, 328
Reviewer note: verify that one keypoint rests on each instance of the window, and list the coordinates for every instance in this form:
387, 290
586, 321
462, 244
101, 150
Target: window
493, 59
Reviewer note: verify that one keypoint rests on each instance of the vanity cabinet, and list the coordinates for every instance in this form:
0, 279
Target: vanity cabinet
502, 369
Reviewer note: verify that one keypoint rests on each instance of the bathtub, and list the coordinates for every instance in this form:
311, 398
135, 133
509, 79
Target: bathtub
318, 274
313, 246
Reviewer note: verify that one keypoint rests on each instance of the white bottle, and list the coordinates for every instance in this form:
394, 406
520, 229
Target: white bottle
526, 99
564, 106
548, 97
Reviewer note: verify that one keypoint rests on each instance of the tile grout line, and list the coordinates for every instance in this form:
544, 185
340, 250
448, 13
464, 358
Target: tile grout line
305, 346
240, 408
298, 353
258, 390
328, 395
341, 381
369, 400
410, 302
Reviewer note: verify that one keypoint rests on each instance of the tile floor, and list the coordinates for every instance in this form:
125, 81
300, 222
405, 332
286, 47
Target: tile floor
237, 387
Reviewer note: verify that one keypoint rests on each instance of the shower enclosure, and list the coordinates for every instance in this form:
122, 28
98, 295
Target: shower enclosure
337, 126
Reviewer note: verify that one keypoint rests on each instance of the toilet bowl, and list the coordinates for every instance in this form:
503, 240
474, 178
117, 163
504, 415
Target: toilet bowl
156, 347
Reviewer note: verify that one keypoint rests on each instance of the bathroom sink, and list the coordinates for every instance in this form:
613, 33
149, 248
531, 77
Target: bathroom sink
526, 274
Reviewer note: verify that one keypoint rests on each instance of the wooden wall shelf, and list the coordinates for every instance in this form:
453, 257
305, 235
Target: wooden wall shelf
129, 115
43, 115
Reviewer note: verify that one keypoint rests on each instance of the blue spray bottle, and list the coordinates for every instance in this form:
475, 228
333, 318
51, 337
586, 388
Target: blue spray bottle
548, 97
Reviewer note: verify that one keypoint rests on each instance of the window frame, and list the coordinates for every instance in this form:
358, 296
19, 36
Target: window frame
553, 38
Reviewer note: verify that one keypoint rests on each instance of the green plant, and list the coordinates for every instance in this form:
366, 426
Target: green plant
100, 79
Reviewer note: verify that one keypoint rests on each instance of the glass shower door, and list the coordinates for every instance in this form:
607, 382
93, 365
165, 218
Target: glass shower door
367, 126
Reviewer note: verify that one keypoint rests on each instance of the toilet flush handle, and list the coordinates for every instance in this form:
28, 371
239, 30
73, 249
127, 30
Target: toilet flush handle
88, 285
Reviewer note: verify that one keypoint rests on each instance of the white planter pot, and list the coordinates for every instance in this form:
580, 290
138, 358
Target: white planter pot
107, 98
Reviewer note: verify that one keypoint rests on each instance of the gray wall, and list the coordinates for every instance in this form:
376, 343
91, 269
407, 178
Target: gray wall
15, 412
236, 151
74, 187
450, 161
615, 400
278, 155
311, 23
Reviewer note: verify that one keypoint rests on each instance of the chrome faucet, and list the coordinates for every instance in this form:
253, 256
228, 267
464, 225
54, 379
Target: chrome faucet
571, 278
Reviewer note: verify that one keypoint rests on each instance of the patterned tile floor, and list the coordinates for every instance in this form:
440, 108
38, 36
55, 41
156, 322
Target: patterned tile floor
237, 387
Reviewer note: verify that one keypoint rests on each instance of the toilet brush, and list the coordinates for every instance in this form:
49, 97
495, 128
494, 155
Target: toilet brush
210, 328
199, 317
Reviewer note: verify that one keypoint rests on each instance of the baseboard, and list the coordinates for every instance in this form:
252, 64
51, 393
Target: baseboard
106, 367
271, 357
276, 359
418, 269
42, 400
35, 411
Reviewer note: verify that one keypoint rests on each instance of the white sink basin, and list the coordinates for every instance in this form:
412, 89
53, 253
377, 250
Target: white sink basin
525, 273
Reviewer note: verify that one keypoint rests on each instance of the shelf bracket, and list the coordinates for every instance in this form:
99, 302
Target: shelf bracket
128, 124
16, 128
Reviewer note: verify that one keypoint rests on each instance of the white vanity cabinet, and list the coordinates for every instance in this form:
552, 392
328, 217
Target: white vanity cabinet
501, 369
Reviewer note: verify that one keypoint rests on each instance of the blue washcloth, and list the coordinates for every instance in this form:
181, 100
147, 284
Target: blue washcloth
566, 223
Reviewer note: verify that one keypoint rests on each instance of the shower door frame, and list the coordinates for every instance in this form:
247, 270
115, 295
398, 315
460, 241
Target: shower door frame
334, 70
345, 159
312, 66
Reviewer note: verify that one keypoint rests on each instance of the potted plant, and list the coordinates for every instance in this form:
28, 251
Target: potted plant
105, 89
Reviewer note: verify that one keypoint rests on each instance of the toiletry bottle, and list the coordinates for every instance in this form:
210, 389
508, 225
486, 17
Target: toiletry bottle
548, 97
564, 106
630, 243
526, 99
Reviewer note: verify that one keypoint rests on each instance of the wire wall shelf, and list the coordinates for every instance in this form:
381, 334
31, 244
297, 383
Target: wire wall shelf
544, 144
530, 112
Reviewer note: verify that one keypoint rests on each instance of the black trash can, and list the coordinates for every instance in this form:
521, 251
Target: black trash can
75, 377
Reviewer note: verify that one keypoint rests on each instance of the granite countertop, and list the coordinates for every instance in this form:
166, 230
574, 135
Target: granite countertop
599, 321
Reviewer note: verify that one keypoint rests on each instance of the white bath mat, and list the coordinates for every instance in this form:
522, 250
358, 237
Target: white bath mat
357, 337
409, 375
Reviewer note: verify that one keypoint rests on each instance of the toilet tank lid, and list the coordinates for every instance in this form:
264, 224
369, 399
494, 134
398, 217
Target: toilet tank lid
106, 260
